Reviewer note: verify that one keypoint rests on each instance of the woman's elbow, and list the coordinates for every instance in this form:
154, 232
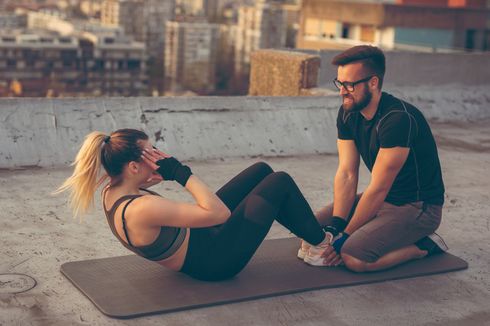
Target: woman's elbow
224, 214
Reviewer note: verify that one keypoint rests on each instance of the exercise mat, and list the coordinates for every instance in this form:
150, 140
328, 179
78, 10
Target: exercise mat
130, 286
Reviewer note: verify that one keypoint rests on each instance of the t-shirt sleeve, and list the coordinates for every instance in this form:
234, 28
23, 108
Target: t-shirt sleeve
398, 129
343, 130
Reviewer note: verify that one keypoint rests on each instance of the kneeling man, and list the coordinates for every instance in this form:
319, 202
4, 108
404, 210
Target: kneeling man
394, 219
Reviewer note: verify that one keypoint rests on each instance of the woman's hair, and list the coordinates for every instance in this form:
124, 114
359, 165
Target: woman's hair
112, 152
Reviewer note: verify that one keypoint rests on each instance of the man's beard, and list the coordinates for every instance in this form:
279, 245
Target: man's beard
360, 105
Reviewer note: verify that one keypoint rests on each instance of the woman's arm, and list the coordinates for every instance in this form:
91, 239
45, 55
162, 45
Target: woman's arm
207, 211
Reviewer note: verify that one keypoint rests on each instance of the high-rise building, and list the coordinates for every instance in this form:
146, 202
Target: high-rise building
190, 56
208, 8
260, 26
145, 21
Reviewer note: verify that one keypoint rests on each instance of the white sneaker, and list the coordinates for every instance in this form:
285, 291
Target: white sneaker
314, 255
303, 250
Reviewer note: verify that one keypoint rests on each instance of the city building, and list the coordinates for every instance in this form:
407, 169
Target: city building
226, 59
91, 8
207, 8
292, 12
117, 13
42, 62
407, 24
145, 21
35, 63
190, 56
115, 65
481, 4
12, 21
260, 26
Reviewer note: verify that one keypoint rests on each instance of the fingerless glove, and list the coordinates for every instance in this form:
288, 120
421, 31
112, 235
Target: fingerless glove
171, 169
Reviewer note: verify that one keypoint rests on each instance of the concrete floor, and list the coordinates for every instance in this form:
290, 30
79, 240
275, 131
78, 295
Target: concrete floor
37, 235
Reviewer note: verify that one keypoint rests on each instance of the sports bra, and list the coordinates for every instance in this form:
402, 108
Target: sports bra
165, 245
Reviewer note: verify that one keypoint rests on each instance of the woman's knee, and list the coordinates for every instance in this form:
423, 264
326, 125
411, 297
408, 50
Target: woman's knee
263, 167
282, 177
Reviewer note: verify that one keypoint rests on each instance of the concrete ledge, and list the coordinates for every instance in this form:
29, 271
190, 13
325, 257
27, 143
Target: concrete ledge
49, 132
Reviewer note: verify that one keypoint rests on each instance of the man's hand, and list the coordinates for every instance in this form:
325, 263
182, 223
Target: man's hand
331, 258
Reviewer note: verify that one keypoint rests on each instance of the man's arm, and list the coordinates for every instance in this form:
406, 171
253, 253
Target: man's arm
345, 188
388, 163
346, 178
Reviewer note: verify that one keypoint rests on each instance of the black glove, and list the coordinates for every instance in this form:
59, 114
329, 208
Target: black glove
335, 225
338, 242
171, 169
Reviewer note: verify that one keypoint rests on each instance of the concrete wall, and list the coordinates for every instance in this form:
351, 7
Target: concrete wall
47, 132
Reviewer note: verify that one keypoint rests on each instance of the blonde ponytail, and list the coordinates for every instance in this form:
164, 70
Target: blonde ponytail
85, 179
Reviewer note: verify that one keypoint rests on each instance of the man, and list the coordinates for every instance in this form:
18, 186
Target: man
393, 220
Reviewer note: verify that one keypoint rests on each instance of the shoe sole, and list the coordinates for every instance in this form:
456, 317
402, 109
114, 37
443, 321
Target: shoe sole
301, 253
439, 241
314, 261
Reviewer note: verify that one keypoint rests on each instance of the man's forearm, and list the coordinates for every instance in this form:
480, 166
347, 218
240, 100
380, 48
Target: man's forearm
345, 188
369, 204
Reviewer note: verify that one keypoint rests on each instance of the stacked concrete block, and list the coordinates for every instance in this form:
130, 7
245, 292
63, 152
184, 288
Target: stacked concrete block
283, 73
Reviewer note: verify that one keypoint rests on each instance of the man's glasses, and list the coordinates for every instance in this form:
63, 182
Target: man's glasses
349, 86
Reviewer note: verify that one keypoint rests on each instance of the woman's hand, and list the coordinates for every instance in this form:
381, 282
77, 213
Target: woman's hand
153, 180
151, 155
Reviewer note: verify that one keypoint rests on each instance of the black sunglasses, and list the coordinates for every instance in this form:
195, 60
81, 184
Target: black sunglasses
349, 86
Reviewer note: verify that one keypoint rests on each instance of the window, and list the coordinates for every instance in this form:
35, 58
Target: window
345, 30
134, 64
470, 39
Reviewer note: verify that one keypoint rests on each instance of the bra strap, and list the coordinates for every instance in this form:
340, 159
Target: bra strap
124, 221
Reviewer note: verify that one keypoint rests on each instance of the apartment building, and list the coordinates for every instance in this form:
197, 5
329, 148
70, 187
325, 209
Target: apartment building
10, 20
406, 24
191, 56
261, 26
34, 63
143, 19
40, 63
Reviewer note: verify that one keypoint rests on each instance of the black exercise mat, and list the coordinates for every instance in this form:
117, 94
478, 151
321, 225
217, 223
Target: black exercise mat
130, 286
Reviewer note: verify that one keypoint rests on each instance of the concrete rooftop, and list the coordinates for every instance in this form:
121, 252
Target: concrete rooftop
37, 235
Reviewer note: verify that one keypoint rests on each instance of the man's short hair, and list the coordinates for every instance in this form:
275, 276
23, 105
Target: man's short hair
372, 58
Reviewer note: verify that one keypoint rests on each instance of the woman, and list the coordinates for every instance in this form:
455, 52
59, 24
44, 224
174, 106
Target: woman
212, 239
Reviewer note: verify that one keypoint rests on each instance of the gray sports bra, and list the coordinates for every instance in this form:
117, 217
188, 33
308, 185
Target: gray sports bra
165, 245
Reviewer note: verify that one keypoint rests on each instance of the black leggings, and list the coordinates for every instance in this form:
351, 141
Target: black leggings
256, 197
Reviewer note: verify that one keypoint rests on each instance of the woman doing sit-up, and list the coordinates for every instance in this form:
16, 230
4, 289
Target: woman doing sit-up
211, 239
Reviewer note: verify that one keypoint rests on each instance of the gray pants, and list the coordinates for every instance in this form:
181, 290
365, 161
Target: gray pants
392, 228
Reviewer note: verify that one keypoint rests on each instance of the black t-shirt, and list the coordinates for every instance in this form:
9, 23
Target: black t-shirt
398, 124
